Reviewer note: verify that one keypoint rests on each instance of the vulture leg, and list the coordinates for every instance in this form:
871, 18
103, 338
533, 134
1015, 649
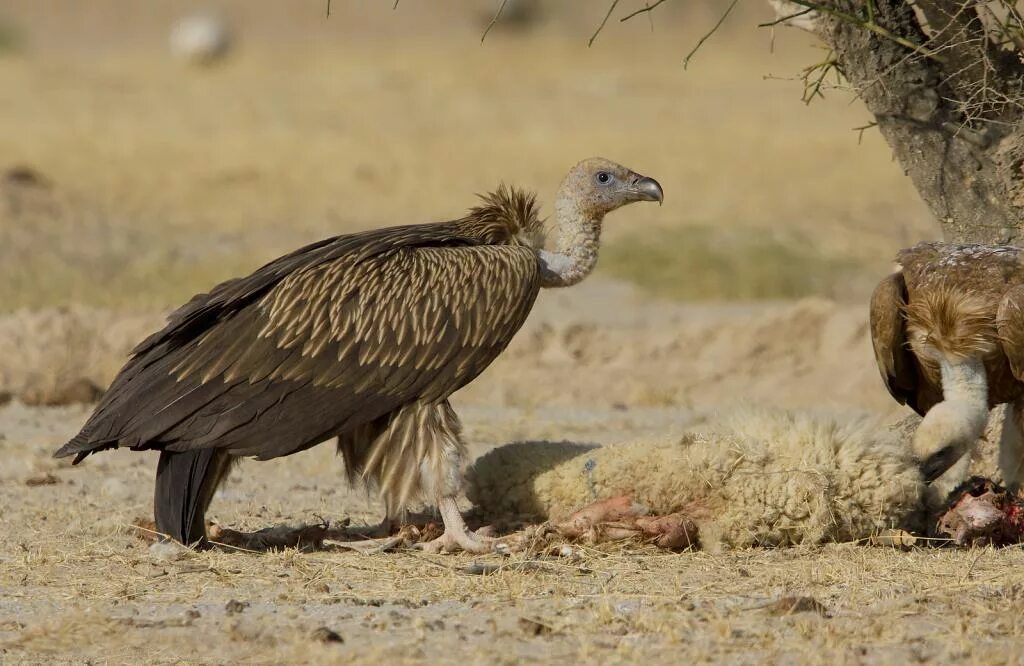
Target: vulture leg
185, 484
456, 535
1010, 326
1011, 447
416, 452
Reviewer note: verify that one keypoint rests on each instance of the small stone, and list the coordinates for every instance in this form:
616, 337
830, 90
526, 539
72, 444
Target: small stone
47, 479
234, 606
167, 551
533, 627
790, 605
23, 175
325, 635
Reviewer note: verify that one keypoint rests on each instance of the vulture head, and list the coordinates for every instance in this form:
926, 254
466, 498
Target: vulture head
592, 189
597, 186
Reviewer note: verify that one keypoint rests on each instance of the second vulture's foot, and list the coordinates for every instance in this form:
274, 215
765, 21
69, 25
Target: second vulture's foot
456, 535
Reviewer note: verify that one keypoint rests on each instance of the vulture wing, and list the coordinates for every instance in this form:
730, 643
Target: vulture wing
1010, 327
332, 336
889, 338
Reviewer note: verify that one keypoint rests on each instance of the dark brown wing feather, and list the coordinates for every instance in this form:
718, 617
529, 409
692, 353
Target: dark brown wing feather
896, 361
327, 338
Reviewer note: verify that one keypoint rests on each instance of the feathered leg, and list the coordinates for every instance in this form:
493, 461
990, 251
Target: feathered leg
441, 476
415, 453
185, 484
1011, 447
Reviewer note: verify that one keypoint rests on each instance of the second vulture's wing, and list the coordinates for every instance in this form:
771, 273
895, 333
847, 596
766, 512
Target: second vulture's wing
895, 360
1010, 327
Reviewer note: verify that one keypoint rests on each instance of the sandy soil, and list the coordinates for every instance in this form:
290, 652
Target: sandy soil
78, 583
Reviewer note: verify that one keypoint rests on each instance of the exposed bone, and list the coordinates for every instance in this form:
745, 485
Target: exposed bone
982, 512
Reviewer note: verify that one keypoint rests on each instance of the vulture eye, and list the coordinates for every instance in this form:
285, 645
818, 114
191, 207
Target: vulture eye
603, 177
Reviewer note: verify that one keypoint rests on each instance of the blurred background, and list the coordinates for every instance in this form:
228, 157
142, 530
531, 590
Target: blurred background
148, 150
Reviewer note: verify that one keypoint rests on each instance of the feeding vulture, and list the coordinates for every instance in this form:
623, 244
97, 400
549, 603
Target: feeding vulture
362, 337
948, 333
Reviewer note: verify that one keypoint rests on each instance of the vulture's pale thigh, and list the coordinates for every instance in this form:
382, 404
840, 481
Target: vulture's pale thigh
362, 337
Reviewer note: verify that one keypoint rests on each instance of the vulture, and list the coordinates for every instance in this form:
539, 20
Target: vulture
948, 334
361, 337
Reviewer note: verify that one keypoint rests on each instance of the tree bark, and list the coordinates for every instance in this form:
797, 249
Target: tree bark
951, 110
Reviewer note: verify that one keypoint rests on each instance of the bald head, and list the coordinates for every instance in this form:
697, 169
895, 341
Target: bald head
592, 189
597, 186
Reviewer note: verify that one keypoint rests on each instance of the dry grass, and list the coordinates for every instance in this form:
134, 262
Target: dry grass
79, 585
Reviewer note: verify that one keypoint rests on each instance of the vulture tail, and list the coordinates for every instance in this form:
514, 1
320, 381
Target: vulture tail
185, 483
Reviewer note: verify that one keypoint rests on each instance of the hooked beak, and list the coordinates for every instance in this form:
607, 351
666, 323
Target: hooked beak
647, 189
937, 463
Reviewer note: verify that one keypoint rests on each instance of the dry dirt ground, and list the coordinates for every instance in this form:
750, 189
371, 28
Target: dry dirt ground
155, 180
79, 584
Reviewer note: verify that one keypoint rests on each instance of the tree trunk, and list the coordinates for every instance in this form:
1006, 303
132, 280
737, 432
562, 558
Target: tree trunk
945, 96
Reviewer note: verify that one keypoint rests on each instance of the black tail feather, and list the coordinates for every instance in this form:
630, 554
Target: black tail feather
185, 483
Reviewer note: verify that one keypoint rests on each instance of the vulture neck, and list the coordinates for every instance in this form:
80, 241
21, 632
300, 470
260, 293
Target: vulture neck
576, 237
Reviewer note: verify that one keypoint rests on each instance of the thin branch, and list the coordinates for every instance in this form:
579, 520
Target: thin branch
395, 6
328, 8
643, 10
494, 19
870, 26
611, 8
783, 19
863, 128
1014, 35
714, 29
813, 84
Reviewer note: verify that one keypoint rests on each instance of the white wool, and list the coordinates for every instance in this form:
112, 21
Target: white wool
763, 479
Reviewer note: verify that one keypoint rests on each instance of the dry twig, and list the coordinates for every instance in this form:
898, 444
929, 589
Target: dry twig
494, 19
714, 29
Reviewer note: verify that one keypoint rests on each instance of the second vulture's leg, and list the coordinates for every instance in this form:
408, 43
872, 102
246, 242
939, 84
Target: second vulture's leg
1011, 447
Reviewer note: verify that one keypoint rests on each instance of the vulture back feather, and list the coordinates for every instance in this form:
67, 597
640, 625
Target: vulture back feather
342, 332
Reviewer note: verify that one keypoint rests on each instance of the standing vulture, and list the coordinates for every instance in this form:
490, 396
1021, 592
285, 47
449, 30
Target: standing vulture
362, 337
948, 332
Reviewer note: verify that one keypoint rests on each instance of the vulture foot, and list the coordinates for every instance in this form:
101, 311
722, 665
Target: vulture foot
456, 535
466, 541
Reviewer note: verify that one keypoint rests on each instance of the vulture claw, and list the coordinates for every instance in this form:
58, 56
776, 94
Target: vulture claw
453, 541
456, 535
